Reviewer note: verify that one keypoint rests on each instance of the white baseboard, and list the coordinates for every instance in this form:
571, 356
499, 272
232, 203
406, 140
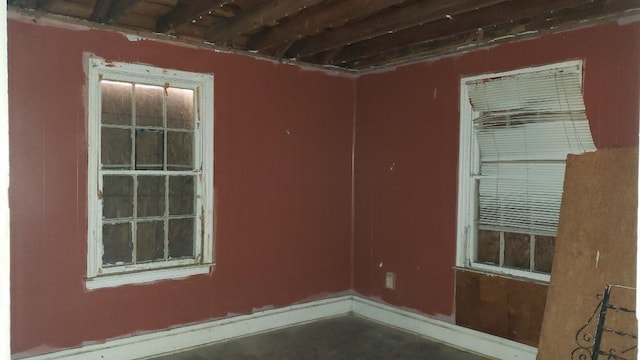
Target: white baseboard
185, 337
190, 336
453, 335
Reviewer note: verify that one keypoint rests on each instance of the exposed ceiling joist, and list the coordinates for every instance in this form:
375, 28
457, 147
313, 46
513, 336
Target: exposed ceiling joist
266, 14
185, 12
100, 10
333, 15
353, 35
390, 21
469, 23
450, 43
114, 9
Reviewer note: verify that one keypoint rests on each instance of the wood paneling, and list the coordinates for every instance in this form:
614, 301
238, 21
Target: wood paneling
282, 190
406, 154
501, 306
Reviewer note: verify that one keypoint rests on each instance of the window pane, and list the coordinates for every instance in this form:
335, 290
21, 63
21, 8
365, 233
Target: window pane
489, 247
151, 200
118, 247
544, 249
516, 250
115, 148
181, 237
117, 196
149, 149
181, 195
149, 105
179, 108
116, 103
179, 150
150, 241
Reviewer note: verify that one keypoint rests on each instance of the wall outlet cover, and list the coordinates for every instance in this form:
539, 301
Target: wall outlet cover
390, 280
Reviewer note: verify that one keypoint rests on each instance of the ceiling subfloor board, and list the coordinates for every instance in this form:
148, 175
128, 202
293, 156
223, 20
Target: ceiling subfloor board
117, 8
390, 21
100, 10
351, 35
470, 21
333, 15
266, 14
585, 15
185, 12
43, 4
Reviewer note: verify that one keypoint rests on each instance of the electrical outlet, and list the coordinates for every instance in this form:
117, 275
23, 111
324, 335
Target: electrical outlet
390, 280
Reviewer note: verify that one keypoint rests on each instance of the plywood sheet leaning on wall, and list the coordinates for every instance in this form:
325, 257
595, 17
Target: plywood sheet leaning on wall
596, 247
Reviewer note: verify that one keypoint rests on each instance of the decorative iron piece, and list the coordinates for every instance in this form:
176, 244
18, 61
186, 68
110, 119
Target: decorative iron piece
589, 340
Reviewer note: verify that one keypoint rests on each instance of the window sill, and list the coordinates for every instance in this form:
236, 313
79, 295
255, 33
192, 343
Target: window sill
507, 273
141, 277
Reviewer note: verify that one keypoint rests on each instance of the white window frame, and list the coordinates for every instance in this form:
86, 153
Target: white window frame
202, 85
468, 164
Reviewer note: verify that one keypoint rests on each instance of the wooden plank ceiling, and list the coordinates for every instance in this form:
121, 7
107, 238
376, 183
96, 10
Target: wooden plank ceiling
349, 34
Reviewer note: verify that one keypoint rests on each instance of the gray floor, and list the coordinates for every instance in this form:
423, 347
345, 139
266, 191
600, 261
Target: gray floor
341, 338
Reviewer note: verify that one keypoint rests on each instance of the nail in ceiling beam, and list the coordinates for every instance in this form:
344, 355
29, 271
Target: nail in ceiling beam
185, 12
471, 21
266, 14
333, 15
388, 21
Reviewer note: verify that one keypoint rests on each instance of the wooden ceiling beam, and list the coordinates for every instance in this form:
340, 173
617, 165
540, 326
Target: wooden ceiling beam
387, 21
44, 5
185, 12
27, 4
332, 15
471, 21
116, 8
436, 47
266, 14
100, 10
32, 4
506, 31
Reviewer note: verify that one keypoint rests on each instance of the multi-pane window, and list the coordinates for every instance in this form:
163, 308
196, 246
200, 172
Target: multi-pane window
516, 131
150, 173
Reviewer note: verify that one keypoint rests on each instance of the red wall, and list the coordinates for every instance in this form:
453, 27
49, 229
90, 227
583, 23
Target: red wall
283, 140
407, 152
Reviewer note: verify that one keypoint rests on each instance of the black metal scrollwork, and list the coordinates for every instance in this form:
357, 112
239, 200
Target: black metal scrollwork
589, 336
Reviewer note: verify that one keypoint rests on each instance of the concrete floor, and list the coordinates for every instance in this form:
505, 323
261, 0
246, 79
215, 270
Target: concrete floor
340, 338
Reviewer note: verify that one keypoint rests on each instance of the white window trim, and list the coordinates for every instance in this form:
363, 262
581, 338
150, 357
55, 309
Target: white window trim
467, 159
203, 86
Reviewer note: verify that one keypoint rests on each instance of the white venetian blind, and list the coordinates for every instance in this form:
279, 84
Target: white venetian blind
528, 124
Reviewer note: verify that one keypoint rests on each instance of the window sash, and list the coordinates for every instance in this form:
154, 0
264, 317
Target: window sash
202, 87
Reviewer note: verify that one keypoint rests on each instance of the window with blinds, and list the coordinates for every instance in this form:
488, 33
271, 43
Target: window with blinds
517, 129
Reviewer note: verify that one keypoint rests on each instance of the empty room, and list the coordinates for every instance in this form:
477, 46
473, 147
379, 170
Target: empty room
323, 179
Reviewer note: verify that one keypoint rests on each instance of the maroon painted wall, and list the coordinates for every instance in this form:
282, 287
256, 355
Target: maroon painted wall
406, 159
283, 140
283, 177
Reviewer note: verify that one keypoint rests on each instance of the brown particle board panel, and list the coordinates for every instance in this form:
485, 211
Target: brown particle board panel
596, 247
501, 306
